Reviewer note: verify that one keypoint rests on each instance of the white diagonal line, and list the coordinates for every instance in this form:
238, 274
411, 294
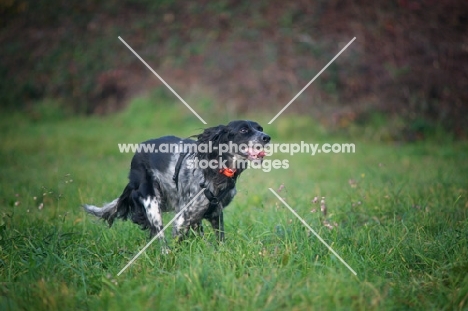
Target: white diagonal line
316, 76
160, 233
312, 230
162, 80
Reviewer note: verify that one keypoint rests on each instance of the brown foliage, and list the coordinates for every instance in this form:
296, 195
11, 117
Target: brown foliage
410, 57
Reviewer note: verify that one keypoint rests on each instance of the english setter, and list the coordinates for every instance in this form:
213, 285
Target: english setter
167, 181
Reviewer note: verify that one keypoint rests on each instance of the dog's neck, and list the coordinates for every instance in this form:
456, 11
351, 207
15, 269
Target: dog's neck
227, 171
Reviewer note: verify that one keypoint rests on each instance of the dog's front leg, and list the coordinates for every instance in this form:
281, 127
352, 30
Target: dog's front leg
198, 229
217, 221
181, 227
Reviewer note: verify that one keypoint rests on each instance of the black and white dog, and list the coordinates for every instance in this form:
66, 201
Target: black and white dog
168, 181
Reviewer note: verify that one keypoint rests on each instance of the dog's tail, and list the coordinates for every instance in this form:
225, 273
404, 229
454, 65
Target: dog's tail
119, 208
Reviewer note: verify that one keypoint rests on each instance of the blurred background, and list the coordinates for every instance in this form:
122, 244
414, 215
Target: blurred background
406, 73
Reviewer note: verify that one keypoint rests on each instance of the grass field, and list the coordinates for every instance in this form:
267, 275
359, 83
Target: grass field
398, 214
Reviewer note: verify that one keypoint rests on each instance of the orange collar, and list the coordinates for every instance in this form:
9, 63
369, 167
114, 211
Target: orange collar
227, 172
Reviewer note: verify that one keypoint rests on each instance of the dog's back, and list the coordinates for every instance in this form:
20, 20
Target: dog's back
151, 172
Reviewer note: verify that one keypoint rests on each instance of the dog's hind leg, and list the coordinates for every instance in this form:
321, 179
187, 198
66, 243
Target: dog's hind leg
154, 216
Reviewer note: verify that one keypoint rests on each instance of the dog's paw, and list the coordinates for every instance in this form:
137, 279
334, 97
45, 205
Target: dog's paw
165, 250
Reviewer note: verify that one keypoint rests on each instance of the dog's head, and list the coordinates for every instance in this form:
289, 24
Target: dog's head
239, 140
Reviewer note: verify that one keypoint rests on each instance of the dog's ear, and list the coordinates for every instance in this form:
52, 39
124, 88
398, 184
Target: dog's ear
215, 134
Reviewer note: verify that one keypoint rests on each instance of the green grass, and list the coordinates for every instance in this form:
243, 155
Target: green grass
399, 211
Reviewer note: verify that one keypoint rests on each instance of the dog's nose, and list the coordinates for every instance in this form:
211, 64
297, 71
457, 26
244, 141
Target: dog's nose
266, 138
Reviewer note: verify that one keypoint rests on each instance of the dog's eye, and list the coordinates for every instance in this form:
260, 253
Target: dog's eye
244, 130
260, 128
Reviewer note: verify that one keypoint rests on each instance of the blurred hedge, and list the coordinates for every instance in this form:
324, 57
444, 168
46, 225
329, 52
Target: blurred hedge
410, 58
